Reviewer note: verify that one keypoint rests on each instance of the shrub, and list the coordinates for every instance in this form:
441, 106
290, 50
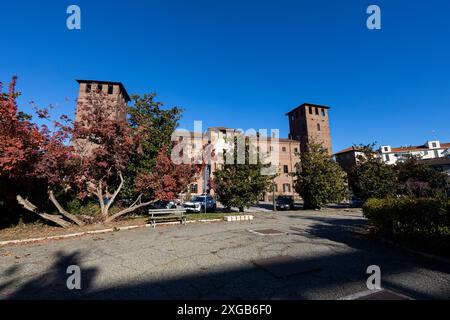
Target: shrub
409, 217
372, 177
418, 179
319, 180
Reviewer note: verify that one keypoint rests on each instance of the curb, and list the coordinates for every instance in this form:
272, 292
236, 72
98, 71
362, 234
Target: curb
246, 217
79, 234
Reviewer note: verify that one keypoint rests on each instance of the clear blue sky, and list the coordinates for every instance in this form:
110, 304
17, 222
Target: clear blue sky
245, 63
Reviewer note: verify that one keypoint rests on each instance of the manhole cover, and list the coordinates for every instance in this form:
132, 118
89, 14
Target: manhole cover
384, 295
285, 266
267, 232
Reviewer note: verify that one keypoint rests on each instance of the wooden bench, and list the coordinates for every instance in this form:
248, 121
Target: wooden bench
167, 215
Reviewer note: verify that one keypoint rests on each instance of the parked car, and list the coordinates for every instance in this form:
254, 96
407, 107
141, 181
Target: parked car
198, 203
356, 202
164, 204
285, 203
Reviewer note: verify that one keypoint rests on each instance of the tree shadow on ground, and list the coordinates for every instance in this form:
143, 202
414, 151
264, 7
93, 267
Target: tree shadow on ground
341, 272
354, 234
52, 284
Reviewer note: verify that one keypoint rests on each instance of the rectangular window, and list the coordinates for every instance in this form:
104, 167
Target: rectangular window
100, 88
286, 169
275, 187
194, 188
296, 150
88, 88
318, 127
283, 149
310, 110
317, 111
286, 187
434, 144
110, 89
387, 157
323, 112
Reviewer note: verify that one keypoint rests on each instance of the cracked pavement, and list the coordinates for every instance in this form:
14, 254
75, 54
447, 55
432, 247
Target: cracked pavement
214, 261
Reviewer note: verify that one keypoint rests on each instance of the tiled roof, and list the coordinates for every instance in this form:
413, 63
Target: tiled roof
400, 149
347, 150
419, 148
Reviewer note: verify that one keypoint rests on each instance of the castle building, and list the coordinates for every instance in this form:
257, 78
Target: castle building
307, 123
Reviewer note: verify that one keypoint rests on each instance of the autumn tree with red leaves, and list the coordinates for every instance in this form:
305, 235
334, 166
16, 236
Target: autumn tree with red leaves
167, 179
87, 159
31, 153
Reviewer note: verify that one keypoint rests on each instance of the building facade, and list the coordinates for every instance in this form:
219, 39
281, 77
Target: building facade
347, 158
430, 150
307, 123
285, 152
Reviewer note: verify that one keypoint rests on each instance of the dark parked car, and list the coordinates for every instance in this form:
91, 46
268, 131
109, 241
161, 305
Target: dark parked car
163, 204
285, 203
356, 202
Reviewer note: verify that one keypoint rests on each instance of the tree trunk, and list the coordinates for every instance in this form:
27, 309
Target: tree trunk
50, 217
128, 210
61, 210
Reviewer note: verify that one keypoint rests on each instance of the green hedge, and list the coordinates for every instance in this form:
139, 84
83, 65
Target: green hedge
409, 217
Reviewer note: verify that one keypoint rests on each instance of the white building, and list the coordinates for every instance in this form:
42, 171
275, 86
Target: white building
430, 150
348, 157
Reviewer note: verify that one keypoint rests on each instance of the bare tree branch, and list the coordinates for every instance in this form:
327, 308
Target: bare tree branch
99, 194
61, 210
131, 208
110, 202
50, 217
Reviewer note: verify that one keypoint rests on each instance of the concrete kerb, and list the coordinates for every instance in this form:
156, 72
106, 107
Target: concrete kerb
79, 234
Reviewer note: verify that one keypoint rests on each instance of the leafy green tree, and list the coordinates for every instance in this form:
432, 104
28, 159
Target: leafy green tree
153, 127
319, 180
372, 177
420, 180
240, 185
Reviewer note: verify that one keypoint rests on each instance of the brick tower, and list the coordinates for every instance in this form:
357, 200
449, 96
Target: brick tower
310, 123
114, 91
112, 98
